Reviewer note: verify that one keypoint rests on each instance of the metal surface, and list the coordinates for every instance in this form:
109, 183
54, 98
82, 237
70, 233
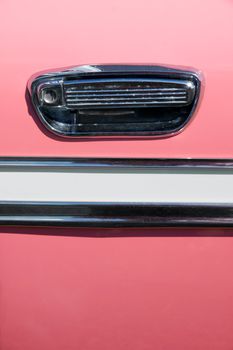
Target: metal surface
108, 100
116, 93
151, 39
49, 175
163, 163
118, 289
115, 214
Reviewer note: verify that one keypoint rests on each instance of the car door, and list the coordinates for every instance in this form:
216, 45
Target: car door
116, 241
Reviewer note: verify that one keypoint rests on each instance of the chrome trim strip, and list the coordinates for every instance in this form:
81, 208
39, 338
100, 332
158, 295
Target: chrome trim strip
67, 214
89, 214
66, 163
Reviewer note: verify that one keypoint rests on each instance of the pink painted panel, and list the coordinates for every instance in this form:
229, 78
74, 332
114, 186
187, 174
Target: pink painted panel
94, 291
51, 34
139, 292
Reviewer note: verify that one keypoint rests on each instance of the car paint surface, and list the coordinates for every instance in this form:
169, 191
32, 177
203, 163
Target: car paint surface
52, 34
119, 289
95, 289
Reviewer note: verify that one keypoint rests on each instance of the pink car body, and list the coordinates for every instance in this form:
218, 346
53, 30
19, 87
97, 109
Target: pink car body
116, 288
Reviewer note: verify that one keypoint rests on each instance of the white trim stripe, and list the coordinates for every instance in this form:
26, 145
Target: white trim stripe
121, 185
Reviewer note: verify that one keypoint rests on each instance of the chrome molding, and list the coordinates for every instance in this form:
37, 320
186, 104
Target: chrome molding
115, 214
90, 214
127, 92
66, 163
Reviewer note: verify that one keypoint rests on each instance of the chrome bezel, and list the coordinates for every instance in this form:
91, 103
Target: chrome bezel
40, 80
